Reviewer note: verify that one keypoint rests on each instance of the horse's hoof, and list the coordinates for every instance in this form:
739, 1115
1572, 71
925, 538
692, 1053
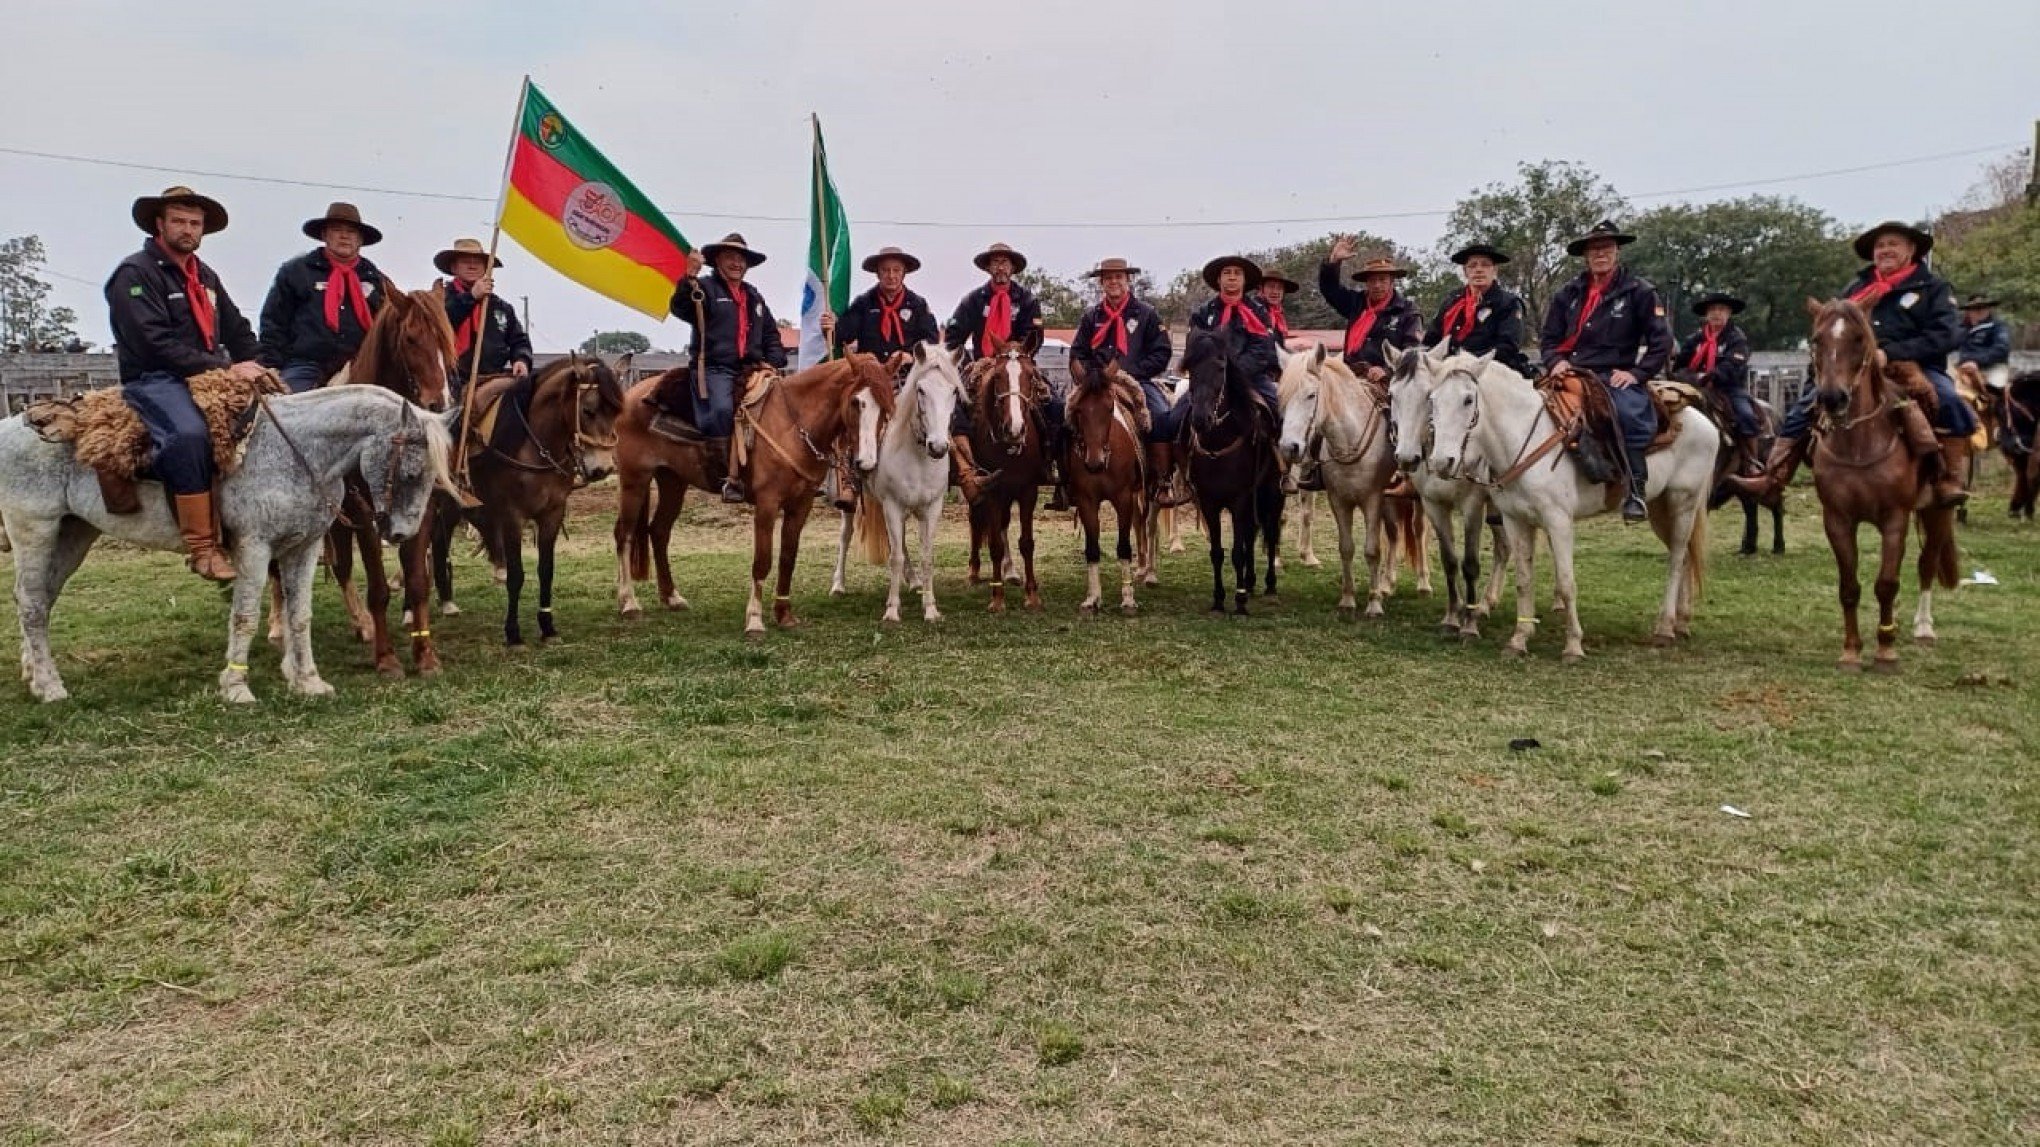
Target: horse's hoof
234, 694
633, 613
1034, 603
1129, 609
1014, 579
1216, 612
1849, 665
499, 575
1423, 591
389, 670
1572, 657
755, 635
1374, 610
676, 603
932, 616
1150, 582
312, 687
1748, 551
1924, 640
364, 635
1469, 634
1448, 630
448, 609
1885, 665
1662, 640
1312, 562
889, 620
996, 607
1512, 652
48, 694
1088, 609
1349, 612
837, 591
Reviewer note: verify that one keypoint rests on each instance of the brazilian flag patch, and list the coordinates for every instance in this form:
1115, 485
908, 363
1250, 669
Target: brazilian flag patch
135, 291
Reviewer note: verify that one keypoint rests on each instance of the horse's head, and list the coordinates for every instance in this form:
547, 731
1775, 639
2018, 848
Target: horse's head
589, 399
1845, 353
1410, 375
1004, 383
1455, 410
408, 348
1301, 393
1208, 364
930, 396
868, 402
404, 464
1090, 411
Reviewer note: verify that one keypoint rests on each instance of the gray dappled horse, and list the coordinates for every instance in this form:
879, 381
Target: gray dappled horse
278, 505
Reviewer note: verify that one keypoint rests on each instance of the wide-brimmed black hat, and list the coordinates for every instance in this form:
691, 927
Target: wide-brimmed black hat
983, 258
1605, 229
342, 213
732, 242
1868, 239
444, 260
148, 207
1735, 306
1252, 269
1471, 249
1380, 265
1978, 303
872, 260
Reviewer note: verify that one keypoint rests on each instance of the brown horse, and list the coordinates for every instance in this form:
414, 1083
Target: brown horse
407, 349
1008, 438
554, 431
644, 461
1105, 461
1864, 473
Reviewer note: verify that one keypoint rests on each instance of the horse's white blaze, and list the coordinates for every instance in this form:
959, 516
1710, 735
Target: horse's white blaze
1841, 328
867, 432
1015, 426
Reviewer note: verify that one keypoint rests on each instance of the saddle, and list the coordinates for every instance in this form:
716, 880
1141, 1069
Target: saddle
1579, 404
1127, 393
106, 434
486, 408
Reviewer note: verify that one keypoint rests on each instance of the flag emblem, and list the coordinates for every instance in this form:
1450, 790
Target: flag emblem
595, 216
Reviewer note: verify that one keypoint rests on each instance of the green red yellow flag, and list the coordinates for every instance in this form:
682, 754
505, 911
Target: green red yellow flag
564, 202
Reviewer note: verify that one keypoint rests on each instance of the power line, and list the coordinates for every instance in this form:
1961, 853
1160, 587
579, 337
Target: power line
1088, 224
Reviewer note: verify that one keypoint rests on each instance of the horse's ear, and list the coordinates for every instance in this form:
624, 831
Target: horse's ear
1283, 356
1030, 345
1391, 352
438, 285
1485, 359
1078, 375
1317, 356
896, 360
994, 346
1813, 307
622, 364
921, 353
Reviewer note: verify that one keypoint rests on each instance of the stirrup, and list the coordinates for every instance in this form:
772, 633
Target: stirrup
733, 491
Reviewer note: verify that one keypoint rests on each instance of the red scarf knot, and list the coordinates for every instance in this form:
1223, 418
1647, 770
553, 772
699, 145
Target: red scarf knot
464, 335
1356, 335
1873, 292
343, 283
201, 302
890, 327
1460, 319
1709, 349
1596, 286
998, 319
1114, 325
1228, 308
743, 300
1278, 320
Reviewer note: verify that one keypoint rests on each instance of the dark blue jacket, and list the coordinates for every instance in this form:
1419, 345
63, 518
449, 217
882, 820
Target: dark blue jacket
967, 326
719, 309
1255, 353
1148, 348
294, 315
1916, 321
153, 327
503, 337
1627, 331
1497, 328
1731, 358
1399, 324
859, 324
1988, 343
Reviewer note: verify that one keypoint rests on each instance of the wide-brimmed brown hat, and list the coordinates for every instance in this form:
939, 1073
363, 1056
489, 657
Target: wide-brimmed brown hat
872, 261
1252, 269
1494, 253
1868, 239
1735, 306
1380, 265
983, 258
149, 206
732, 242
342, 213
1978, 303
1605, 229
444, 260
1289, 286
1104, 265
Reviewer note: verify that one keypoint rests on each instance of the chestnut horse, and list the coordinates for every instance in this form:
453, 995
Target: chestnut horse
1008, 438
1232, 466
408, 349
554, 432
1863, 472
1105, 461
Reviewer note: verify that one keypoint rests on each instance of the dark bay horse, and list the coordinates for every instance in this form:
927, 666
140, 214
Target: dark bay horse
1864, 473
1730, 458
2016, 430
1232, 466
555, 431
1008, 440
1105, 462
408, 349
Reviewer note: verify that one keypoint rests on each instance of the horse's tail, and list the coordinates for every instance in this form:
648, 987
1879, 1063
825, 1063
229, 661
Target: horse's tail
1413, 533
871, 528
641, 537
5, 545
1696, 553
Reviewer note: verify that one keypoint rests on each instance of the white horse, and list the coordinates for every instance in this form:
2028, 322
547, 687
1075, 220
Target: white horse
278, 505
1322, 400
909, 475
1487, 417
1412, 375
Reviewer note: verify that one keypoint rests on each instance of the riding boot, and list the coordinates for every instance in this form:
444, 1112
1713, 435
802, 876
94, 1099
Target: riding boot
1310, 474
1948, 489
201, 538
967, 477
846, 485
1786, 454
733, 491
1633, 507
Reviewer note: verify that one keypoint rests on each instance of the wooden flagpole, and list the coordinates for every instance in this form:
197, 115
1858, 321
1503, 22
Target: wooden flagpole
467, 396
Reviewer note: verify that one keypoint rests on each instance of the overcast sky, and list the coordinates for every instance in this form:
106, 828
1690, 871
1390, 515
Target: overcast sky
1015, 120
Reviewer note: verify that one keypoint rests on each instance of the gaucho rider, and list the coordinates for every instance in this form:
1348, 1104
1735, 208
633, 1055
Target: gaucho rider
1611, 324
322, 301
1000, 309
1717, 358
474, 309
883, 321
1121, 329
734, 332
171, 320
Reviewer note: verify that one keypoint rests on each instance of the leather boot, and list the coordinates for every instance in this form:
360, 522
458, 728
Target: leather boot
1786, 454
1633, 507
846, 485
967, 477
733, 491
201, 539
1948, 489
1310, 473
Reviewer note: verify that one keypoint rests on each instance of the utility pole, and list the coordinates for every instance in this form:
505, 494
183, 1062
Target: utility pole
2033, 180
526, 300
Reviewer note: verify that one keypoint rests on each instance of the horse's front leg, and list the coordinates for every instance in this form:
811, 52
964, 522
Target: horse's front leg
984, 517
242, 619
1749, 524
929, 516
843, 536
415, 558
275, 610
1342, 521
1678, 577
1087, 520
1565, 592
376, 581
672, 497
763, 519
1127, 513
1245, 531
1440, 518
445, 522
789, 552
1522, 538
632, 489
1841, 536
1306, 551
895, 560
1029, 587
341, 542
510, 551
1380, 576
1213, 513
1890, 564
548, 542
295, 571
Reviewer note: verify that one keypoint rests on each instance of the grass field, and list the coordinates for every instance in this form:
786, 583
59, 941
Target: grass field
1032, 879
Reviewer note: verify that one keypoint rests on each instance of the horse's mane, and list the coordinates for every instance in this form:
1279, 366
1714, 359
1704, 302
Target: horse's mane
1201, 347
423, 315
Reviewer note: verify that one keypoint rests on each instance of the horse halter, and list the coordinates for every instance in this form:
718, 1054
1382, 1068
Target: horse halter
997, 393
408, 432
575, 468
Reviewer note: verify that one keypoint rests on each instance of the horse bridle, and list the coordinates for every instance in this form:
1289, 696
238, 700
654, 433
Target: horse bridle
405, 435
577, 446
997, 393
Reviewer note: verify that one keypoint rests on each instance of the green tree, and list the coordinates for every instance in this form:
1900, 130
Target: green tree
26, 318
1991, 245
616, 342
1306, 309
1550, 203
1771, 252
1062, 300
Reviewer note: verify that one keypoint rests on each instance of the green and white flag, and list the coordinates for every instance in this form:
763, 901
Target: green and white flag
828, 260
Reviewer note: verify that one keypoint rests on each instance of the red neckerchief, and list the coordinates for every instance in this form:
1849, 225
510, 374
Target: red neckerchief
1594, 290
194, 290
1704, 354
1279, 321
743, 301
998, 318
344, 282
1356, 335
1459, 319
1873, 292
464, 335
1248, 319
889, 325
1114, 324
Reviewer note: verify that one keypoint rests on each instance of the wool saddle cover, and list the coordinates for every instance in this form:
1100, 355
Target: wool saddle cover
107, 435
1577, 401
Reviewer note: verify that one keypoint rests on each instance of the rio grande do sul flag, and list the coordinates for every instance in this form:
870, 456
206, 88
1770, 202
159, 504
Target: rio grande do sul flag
828, 273
564, 202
